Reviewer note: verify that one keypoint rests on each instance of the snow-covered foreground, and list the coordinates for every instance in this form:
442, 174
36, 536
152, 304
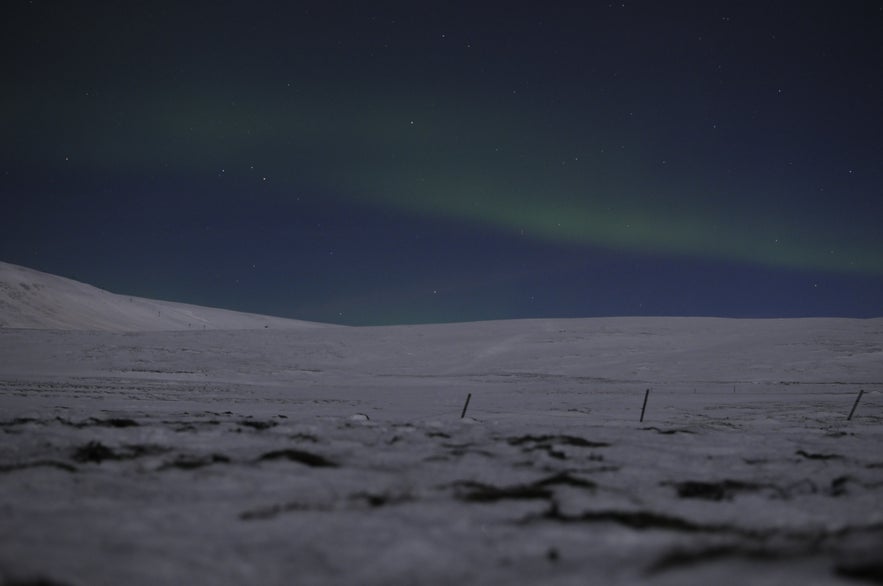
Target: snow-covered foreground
338, 455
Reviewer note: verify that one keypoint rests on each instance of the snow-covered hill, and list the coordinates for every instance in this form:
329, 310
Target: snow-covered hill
35, 300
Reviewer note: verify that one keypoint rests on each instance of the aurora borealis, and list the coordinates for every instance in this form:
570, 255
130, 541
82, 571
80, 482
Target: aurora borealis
397, 162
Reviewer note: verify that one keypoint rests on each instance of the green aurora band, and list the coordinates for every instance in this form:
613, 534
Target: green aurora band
592, 182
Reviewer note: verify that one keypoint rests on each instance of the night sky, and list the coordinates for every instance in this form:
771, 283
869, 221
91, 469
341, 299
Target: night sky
377, 162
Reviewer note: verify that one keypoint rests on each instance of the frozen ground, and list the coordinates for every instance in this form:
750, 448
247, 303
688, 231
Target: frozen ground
338, 455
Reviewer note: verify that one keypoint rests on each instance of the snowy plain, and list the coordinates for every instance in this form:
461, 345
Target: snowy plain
210, 447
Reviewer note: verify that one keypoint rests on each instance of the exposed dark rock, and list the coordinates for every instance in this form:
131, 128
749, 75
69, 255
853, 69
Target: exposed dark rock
546, 440
566, 479
114, 422
258, 425
193, 462
299, 456
809, 456
838, 485
668, 431
95, 422
539, 489
680, 558
94, 452
97, 452
375, 500
869, 571
716, 491
485, 493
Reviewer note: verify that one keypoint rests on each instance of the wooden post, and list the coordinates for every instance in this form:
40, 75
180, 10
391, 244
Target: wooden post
466, 406
854, 405
644, 407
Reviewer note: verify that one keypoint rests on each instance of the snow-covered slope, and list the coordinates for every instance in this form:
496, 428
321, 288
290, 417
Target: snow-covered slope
339, 455
342, 455
35, 300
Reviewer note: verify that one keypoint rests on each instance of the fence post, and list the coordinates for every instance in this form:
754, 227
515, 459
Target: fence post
466, 406
854, 405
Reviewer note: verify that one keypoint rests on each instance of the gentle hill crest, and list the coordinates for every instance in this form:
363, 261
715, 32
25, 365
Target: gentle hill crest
35, 300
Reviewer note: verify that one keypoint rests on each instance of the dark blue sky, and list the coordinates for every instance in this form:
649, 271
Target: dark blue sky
383, 162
